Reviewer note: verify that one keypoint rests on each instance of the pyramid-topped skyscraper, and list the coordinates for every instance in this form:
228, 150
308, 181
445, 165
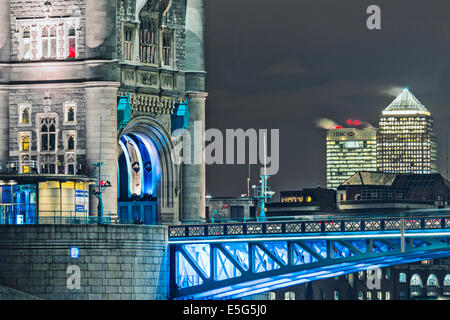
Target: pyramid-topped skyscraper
406, 104
406, 142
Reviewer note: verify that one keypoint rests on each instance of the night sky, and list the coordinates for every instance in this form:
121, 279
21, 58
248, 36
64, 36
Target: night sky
287, 63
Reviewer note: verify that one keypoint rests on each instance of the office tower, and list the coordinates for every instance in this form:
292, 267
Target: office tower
406, 142
349, 150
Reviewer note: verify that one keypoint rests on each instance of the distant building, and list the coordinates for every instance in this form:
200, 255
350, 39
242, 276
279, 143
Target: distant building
349, 150
373, 192
223, 209
428, 279
406, 142
305, 202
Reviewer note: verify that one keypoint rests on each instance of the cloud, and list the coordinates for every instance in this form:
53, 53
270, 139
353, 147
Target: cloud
391, 91
286, 68
325, 123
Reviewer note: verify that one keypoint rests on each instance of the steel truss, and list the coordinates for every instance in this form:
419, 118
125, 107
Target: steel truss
234, 268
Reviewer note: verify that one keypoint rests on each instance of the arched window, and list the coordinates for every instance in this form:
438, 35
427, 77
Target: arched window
71, 143
72, 42
432, 281
128, 40
416, 280
49, 42
415, 286
148, 40
289, 295
25, 143
70, 114
48, 134
26, 44
432, 285
447, 280
167, 48
25, 115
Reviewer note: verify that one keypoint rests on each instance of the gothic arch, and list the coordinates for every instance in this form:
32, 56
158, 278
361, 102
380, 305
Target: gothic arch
165, 6
152, 131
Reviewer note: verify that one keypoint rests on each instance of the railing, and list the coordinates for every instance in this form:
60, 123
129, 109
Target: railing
64, 217
309, 226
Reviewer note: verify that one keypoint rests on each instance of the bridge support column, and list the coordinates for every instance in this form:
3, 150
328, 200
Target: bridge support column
101, 140
194, 190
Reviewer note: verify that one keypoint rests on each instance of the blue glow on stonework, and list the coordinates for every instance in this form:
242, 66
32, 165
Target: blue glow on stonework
125, 171
155, 173
139, 158
278, 249
263, 262
200, 253
239, 251
224, 268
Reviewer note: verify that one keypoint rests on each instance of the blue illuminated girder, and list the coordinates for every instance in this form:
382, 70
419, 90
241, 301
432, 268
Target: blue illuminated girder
235, 269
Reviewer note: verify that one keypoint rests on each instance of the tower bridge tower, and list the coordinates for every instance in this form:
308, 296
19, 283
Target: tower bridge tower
63, 66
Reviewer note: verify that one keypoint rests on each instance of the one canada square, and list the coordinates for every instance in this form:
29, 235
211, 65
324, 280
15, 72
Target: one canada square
406, 142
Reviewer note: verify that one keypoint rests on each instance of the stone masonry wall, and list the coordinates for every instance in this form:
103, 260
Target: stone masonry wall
116, 261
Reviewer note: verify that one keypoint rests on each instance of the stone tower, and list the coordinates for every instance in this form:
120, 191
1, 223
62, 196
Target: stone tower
64, 64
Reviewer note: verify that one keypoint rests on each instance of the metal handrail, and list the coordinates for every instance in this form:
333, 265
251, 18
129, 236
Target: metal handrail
318, 226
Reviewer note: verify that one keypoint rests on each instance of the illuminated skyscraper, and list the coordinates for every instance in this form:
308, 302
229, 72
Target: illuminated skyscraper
349, 150
406, 142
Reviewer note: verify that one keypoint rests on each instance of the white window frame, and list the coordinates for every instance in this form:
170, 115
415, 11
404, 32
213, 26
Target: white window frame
36, 27
67, 162
22, 134
20, 113
66, 135
132, 27
67, 105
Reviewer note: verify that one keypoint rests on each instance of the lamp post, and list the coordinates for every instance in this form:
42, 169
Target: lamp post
101, 185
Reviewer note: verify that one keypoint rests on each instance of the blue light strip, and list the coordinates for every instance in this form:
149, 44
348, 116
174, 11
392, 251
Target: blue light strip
351, 235
139, 156
127, 159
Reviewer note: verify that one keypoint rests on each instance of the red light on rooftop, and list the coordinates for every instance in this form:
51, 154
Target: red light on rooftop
356, 123
349, 121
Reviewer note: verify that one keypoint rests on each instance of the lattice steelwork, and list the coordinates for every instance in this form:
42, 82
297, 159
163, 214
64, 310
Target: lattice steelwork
233, 267
232, 261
